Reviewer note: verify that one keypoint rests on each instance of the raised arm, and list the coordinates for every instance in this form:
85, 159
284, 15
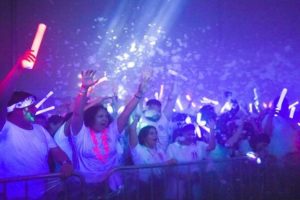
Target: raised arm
8, 84
133, 136
123, 118
81, 100
171, 100
212, 136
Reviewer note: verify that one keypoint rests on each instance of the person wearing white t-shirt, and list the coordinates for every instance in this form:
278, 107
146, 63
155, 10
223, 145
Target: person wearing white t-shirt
145, 150
188, 149
155, 116
24, 145
95, 135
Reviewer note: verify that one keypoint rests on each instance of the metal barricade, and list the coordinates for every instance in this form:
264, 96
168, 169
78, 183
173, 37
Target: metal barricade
233, 179
44, 186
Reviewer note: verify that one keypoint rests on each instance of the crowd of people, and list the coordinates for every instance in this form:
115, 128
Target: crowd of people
92, 141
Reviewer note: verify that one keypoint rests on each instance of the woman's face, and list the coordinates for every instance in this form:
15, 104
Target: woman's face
151, 138
101, 120
189, 137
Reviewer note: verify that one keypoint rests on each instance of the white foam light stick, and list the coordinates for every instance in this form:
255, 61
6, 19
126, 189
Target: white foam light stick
282, 96
174, 73
293, 104
41, 102
45, 110
188, 97
292, 112
188, 120
250, 108
156, 95
256, 102
35, 45
161, 92
179, 104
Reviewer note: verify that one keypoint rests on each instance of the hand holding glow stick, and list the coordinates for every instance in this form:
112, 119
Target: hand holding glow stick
35, 46
282, 96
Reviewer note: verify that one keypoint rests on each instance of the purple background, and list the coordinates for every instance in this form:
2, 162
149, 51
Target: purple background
219, 45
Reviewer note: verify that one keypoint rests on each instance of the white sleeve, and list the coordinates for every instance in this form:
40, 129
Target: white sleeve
170, 152
136, 154
5, 127
50, 141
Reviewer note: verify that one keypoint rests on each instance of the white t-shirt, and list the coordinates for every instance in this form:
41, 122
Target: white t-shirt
24, 152
91, 167
63, 141
144, 155
187, 153
283, 139
162, 127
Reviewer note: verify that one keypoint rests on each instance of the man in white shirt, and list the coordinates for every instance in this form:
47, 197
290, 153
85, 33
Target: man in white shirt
24, 146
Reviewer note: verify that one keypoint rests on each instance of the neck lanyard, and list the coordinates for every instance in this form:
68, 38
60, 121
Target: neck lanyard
104, 138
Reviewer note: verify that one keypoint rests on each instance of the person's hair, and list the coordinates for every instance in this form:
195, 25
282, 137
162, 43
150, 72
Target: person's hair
188, 127
227, 94
208, 113
90, 113
259, 138
144, 132
18, 96
153, 102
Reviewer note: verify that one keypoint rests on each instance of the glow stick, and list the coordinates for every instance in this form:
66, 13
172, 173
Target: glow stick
109, 108
198, 131
198, 118
101, 80
156, 95
121, 109
174, 73
265, 105
178, 102
35, 45
45, 110
227, 107
250, 108
207, 100
44, 99
251, 155
292, 112
161, 92
188, 120
194, 105
256, 102
282, 96
205, 128
188, 97
294, 104
270, 104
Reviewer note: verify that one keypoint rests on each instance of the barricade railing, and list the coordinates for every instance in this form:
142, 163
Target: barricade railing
43, 186
232, 179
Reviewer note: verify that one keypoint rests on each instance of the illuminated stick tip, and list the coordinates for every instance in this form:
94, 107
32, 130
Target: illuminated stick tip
35, 45
45, 110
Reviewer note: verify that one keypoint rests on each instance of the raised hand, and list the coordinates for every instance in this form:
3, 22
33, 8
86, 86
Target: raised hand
146, 76
88, 79
27, 57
